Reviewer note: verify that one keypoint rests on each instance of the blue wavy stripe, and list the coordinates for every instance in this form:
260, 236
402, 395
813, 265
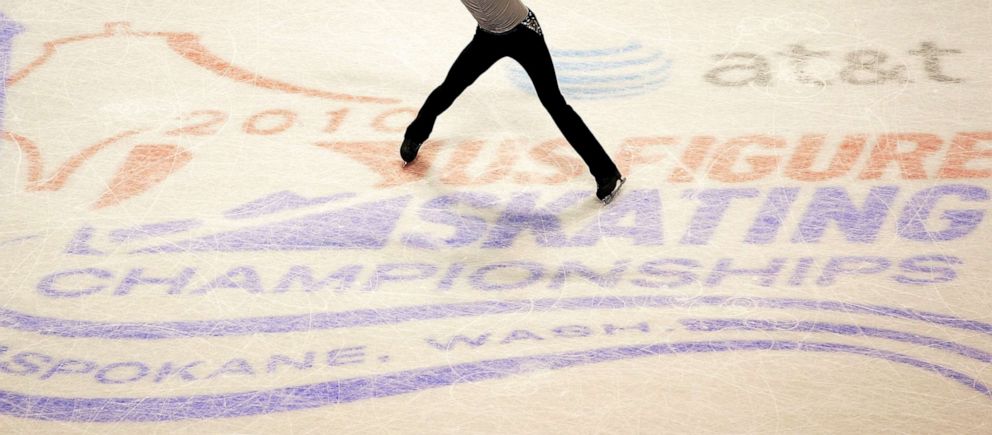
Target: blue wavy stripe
716, 325
386, 316
617, 94
133, 409
520, 74
606, 64
591, 90
614, 91
603, 92
598, 52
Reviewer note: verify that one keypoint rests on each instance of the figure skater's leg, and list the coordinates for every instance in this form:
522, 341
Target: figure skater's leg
475, 59
532, 53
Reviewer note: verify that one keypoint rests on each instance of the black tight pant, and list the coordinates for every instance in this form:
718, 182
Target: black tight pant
527, 48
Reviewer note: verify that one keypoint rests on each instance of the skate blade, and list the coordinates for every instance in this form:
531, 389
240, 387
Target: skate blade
616, 191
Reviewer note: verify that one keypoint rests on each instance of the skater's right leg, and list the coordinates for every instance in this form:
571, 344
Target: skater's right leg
475, 59
533, 55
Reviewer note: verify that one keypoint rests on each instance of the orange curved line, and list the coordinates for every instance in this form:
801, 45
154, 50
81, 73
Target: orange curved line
30, 151
61, 175
188, 46
50, 48
58, 179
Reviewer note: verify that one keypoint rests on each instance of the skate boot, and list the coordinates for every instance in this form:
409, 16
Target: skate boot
607, 189
408, 151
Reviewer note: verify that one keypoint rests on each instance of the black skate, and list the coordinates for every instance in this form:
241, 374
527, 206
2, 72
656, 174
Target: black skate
408, 151
609, 188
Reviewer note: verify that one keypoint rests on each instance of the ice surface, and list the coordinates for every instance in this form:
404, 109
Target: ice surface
207, 228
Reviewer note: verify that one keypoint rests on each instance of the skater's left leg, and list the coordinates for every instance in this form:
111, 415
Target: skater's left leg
480, 54
475, 59
530, 50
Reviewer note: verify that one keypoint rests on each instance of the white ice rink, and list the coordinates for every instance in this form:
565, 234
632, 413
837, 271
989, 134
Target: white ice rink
205, 225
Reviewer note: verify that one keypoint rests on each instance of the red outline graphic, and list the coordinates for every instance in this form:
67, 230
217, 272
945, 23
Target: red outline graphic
61, 175
147, 164
188, 46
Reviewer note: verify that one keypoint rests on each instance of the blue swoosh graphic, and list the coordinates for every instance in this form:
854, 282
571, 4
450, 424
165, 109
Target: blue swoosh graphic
121, 409
594, 95
716, 325
597, 52
595, 92
589, 73
387, 316
523, 78
601, 65
602, 92
615, 91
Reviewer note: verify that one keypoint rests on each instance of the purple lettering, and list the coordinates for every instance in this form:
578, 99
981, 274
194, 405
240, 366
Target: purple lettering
140, 371
26, 366
535, 272
168, 370
853, 265
236, 366
833, 204
913, 223
522, 213
520, 334
80, 243
611, 329
572, 331
388, 272
242, 277
47, 284
454, 270
655, 268
276, 360
346, 356
244, 404
802, 268
69, 366
711, 212
365, 226
769, 220
344, 276
606, 280
136, 277
453, 341
934, 273
468, 229
766, 276
646, 229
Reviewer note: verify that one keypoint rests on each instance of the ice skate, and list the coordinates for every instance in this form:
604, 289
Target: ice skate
608, 189
408, 151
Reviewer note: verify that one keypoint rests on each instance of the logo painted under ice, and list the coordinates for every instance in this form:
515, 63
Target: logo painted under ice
603, 73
